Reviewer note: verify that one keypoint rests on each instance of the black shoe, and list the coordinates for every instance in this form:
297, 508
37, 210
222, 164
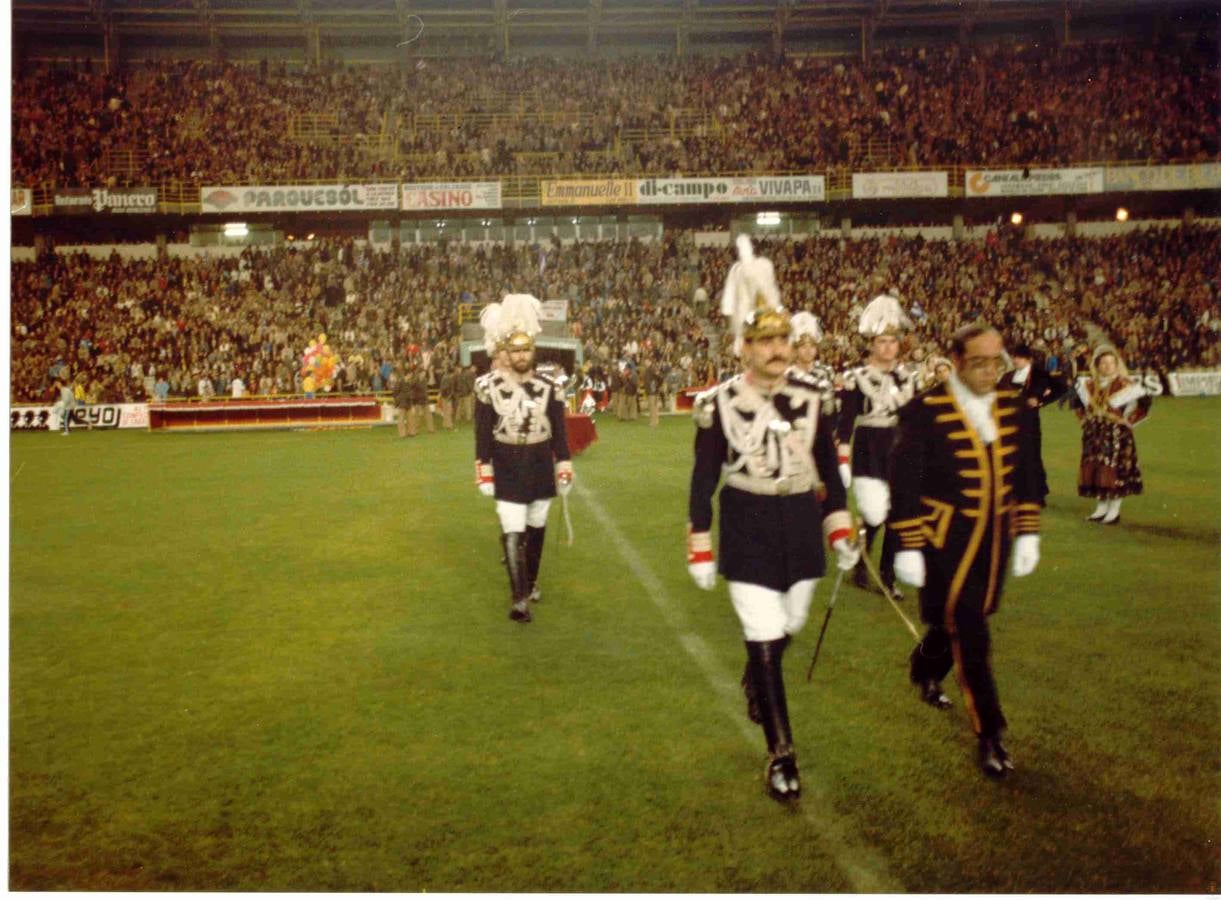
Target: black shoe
896, 592
783, 782
752, 702
1097, 517
520, 611
931, 693
861, 579
1114, 521
994, 761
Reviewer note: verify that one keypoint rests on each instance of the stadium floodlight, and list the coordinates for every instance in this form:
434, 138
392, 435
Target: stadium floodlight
236, 230
310, 236
768, 218
1016, 218
1121, 214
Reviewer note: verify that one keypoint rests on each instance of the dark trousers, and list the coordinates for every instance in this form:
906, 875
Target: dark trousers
963, 644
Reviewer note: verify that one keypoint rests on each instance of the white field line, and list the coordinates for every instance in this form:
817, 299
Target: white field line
15, 474
864, 866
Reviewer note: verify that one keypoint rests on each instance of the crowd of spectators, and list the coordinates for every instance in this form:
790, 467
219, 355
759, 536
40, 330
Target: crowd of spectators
129, 329
196, 122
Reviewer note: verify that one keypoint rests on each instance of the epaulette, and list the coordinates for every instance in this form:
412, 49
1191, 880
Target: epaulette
703, 408
483, 387
849, 378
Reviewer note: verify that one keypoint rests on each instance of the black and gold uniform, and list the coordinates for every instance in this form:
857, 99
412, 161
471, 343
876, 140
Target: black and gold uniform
961, 493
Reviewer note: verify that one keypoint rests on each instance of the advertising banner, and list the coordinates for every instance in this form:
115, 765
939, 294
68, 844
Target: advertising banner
750, 189
456, 195
599, 192
890, 185
299, 198
96, 201
1033, 182
1206, 383
1201, 177
21, 202
96, 415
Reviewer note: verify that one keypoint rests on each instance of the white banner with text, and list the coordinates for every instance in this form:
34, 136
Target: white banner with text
1033, 182
298, 198
890, 185
455, 195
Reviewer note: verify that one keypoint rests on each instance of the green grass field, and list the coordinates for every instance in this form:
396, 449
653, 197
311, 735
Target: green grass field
282, 661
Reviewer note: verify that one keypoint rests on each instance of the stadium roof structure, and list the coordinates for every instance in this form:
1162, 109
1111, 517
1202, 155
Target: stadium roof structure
495, 20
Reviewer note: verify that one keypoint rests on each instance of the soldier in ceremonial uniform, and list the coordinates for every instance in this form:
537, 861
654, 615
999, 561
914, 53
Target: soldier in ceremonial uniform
521, 447
965, 494
807, 335
868, 419
759, 432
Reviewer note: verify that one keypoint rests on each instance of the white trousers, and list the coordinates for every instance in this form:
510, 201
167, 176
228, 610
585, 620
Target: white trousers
768, 615
872, 499
516, 516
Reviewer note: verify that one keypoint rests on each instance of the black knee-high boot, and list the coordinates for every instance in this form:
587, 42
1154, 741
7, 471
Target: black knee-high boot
766, 669
534, 558
515, 564
886, 566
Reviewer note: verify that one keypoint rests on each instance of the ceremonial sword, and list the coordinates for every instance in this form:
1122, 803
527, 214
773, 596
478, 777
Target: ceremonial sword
877, 578
839, 579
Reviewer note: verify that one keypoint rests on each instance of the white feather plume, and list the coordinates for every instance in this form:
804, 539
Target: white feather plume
884, 313
805, 323
489, 319
749, 278
520, 312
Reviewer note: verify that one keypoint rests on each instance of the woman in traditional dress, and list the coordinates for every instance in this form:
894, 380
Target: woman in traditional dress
1109, 402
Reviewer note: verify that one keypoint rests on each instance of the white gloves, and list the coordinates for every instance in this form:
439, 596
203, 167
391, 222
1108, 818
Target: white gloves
563, 477
700, 562
847, 554
703, 574
1025, 554
484, 479
909, 567
845, 466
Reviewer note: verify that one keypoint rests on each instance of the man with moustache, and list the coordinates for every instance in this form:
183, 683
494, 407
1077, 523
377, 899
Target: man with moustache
759, 432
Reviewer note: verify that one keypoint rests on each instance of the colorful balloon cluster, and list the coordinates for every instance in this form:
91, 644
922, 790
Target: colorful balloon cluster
318, 365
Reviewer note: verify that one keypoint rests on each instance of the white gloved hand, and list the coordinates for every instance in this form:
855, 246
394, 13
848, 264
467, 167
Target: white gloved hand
847, 553
909, 567
1025, 554
703, 574
563, 477
843, 455
487, 488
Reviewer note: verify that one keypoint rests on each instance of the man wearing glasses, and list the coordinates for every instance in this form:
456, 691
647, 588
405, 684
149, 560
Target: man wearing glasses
965, 500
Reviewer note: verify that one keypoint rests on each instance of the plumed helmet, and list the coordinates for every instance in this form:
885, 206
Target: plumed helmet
883, 315
751, 298
806, 327
519, 321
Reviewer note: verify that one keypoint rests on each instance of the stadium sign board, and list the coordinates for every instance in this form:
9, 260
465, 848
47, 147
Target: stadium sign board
892, 185
298, 198
553, 311
95, 415
589, 192
1033, 182
452, 195
1202, 383
89, 201
752, 189
21, 201
1198, 177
